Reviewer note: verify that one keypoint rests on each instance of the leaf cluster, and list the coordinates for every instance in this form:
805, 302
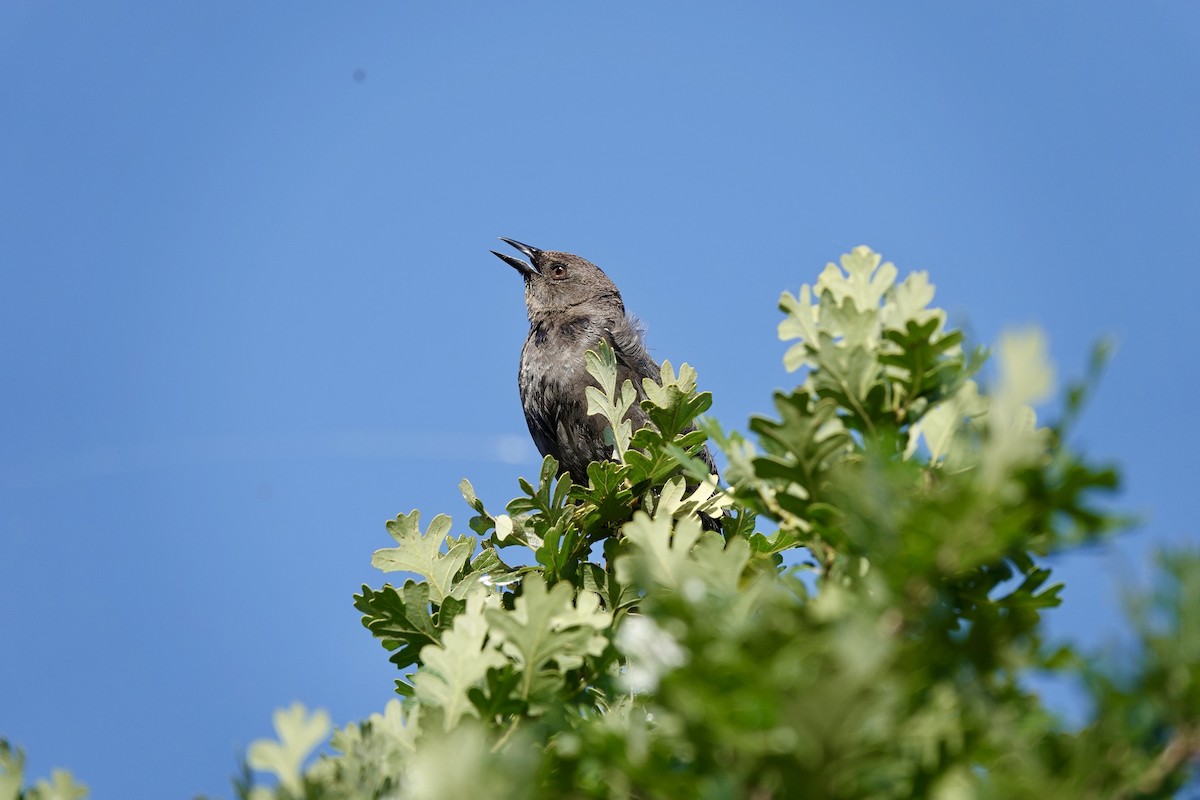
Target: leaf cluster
864, 624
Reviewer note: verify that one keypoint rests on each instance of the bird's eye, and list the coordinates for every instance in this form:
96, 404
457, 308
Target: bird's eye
558, 271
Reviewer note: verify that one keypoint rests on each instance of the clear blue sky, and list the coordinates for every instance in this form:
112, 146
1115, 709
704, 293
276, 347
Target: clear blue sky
249, 312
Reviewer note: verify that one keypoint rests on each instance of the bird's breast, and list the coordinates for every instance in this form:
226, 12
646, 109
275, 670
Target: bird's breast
572, 334
553, 360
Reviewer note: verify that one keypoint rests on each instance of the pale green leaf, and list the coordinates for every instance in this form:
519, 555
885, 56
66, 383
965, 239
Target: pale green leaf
706, 498
601, 364
12, 771
421, 553
909, 300
719, 563
468, 493
800, 323
662, 549
487, 571
459, 662
666, 391
1025, 377
545, 630
848, 315
940, 425
958, 783
605, 401
676, 555
504, 527
403, 728
299, 734
61, 786
586, 613
865, 281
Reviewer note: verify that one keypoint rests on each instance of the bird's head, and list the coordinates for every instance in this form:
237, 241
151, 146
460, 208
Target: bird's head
561, 282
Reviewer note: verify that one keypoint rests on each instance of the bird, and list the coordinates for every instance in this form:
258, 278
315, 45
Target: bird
572, 307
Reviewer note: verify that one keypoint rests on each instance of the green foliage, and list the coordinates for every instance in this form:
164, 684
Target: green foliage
645, 657
299, 732
458, 664
864, 625
61, 786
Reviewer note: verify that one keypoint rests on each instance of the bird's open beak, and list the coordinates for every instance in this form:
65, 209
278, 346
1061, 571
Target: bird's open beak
526, 269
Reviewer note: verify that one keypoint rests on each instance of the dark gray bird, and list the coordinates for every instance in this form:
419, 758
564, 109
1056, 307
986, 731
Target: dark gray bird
572, 306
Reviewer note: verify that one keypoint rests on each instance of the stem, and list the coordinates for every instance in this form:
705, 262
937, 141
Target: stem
506, 735
1183, 746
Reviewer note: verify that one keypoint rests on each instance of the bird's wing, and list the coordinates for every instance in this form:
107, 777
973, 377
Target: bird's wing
633, 361
542, 429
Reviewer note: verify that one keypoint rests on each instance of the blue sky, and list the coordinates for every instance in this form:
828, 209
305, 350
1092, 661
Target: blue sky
249, 313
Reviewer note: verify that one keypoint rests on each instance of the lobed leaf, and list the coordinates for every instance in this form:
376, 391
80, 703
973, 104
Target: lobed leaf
459, 663
546, 630
421, 552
